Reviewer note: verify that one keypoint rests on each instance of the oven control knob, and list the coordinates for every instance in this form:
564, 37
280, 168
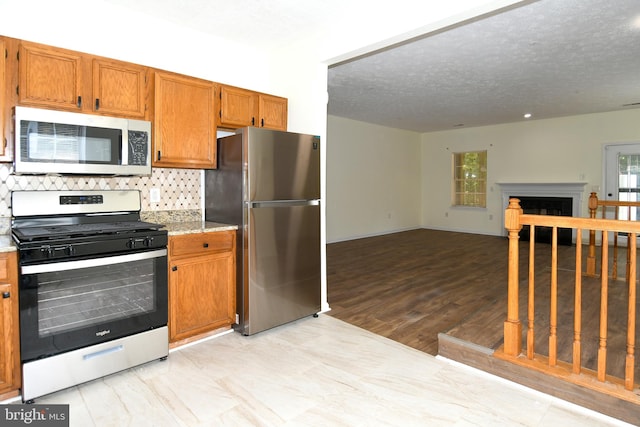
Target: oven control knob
70, 250
148, 241
131, 244
48, 252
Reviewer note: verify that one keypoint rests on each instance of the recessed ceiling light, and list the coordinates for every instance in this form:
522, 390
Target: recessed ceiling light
527, 115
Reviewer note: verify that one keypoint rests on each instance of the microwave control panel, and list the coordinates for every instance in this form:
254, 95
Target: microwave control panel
138, 147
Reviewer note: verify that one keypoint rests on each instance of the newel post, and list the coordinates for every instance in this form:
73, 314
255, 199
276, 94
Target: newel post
591, 257
513, 326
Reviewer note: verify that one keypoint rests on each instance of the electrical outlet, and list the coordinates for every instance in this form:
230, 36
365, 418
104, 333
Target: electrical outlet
154, 195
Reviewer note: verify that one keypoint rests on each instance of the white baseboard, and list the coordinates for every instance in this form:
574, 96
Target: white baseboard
364, 236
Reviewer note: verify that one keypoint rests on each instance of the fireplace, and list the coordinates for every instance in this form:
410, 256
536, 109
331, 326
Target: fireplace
559, 206
561, 198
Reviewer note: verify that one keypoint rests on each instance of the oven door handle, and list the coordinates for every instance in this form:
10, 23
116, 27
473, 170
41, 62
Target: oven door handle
93, 262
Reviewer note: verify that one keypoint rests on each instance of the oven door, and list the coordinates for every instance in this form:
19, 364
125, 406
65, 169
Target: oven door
73, 304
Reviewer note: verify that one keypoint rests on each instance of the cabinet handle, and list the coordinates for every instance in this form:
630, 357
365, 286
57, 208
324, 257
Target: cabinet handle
97, 104
159, 155
206, 245
6, 294
174, 268
261, 123
79, 103
253, 121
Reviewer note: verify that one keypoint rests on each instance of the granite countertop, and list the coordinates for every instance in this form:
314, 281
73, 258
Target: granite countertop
184, 222
6, 243
190, 227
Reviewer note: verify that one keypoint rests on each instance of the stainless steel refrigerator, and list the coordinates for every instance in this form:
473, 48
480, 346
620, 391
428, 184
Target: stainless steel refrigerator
268, 183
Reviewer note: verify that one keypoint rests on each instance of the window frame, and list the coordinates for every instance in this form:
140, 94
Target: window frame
469, 191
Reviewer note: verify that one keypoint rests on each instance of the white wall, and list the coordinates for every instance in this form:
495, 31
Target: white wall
373, 171
373, 179
567, 149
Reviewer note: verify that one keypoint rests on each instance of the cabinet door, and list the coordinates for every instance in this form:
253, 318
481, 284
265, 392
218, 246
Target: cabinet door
119, 89
3, 137
49, 77
201, 295
184, 126
6, 328
9, 339
238, 107
273, 112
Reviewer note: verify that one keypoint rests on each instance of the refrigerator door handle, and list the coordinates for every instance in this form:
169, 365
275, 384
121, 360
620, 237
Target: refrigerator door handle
283, 203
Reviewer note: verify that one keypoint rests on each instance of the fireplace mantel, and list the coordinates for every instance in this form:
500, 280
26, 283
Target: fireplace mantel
543, 189
574, 190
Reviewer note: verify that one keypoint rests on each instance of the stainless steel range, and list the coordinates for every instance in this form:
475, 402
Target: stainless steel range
92, 285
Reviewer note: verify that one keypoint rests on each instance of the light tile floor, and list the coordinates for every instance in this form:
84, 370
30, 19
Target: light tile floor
313, 372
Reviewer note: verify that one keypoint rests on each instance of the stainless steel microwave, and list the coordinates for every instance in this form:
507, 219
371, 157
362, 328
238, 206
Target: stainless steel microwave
58, 142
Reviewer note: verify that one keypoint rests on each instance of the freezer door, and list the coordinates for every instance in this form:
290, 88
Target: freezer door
282, 165
283, 280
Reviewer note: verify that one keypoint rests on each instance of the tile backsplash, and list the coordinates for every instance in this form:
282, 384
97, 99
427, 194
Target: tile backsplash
179, 188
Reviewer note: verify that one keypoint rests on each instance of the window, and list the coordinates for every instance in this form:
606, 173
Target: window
470, 179
628, 184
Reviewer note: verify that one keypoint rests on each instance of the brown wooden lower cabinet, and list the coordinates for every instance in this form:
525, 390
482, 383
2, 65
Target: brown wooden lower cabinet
201, 283
9, 330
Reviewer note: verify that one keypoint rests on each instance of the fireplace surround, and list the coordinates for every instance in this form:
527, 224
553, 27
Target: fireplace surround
546, 198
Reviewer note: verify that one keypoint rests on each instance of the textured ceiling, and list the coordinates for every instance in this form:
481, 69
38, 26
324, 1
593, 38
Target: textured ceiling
549, 58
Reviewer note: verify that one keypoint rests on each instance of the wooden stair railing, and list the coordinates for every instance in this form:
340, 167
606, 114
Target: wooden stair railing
605, 208
573, 371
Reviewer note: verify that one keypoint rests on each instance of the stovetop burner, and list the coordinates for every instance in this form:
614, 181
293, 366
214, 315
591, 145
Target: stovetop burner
55, 232
65, 225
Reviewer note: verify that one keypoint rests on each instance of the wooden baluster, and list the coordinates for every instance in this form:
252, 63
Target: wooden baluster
604, 294
614, 268
628, 269
553, 315
591, 258
577, 307
631, 319
531, 304
513, 326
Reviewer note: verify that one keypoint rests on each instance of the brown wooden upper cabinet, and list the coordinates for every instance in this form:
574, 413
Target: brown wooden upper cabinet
57, 78
184, 125
273, 112
119, 88
4, 138
241, 107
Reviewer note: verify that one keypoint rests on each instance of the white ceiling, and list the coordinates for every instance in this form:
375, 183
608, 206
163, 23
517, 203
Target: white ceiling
548, 57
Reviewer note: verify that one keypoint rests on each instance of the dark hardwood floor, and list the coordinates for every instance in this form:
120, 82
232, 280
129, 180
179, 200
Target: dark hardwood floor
411, 286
